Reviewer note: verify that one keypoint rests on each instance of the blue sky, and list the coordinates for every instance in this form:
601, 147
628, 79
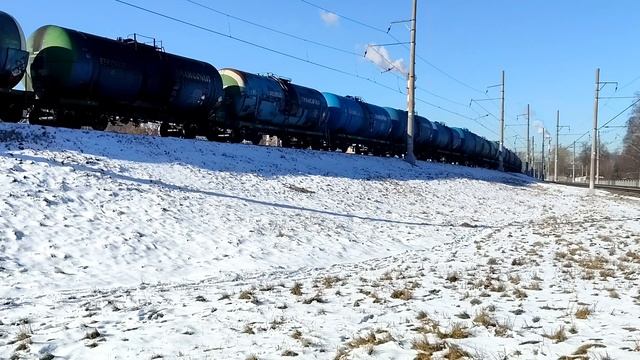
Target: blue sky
548, 48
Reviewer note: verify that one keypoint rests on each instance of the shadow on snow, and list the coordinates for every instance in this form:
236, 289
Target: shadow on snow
239, 158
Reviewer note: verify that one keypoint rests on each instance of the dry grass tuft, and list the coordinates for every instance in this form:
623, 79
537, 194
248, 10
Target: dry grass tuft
315, 298
246, 295
252, 357
453, 276
371, 339
24, 333
387, 276
92, 334
329, 281
607, 273
519, 293
514, 279
558, 336
341, 354
457, 331
475, 301
503, 327
534, 285
485, 319
275, 323
583, 312
296, 289
594, 262
584, 348
498, 287
428, 324
425, 348
289, 353
402, 294
455, 353
248, 329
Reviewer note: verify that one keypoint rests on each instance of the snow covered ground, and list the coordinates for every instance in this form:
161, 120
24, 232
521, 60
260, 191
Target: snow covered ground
134, 247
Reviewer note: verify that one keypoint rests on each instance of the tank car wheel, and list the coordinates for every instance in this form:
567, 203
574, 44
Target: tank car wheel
67, 119
255, 139
34, 117
189, 131
11, 115
100, 124
285, 142
164, 129
212, 135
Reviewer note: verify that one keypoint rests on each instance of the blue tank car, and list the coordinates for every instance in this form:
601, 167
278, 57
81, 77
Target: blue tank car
13, 54
456, 140
485, 150
468, 141
423, 131
273, 101
353, 117
398, 125
441, 136
83, 73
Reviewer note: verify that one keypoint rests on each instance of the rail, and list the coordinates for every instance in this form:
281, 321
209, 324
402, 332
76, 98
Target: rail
607, 185
624, 183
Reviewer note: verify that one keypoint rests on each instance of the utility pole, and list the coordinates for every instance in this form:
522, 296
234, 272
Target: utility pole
592, 184
573, 164
533, 155
598, 157
549, 159
410, 157
528, 150
555, 167
501, 156
543, 155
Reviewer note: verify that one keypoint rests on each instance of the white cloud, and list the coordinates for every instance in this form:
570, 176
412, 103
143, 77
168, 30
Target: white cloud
539, 126
380, 56
329, 18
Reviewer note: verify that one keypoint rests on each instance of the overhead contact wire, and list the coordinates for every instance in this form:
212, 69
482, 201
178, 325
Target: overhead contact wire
274, 30
247, 42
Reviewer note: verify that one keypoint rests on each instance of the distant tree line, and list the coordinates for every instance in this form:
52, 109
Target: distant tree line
622, 164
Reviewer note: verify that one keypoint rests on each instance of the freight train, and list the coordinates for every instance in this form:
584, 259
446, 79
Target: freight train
74, 79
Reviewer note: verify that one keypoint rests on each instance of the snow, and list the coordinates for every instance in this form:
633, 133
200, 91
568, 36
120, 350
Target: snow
175, 248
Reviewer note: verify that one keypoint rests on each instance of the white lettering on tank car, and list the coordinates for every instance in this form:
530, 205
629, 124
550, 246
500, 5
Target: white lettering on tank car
195, 76
113, 63
310, 101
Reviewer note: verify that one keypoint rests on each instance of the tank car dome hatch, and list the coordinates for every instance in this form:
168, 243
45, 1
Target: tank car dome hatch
13, 55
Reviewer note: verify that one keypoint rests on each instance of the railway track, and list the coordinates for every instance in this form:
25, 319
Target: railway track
624, 190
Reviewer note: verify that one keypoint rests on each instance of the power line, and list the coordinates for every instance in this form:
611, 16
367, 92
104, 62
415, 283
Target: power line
457, 113
196, 26
610, 120
485, 109
274, 30
374, 48
247, 42
620, 113
344, 17
361, 23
